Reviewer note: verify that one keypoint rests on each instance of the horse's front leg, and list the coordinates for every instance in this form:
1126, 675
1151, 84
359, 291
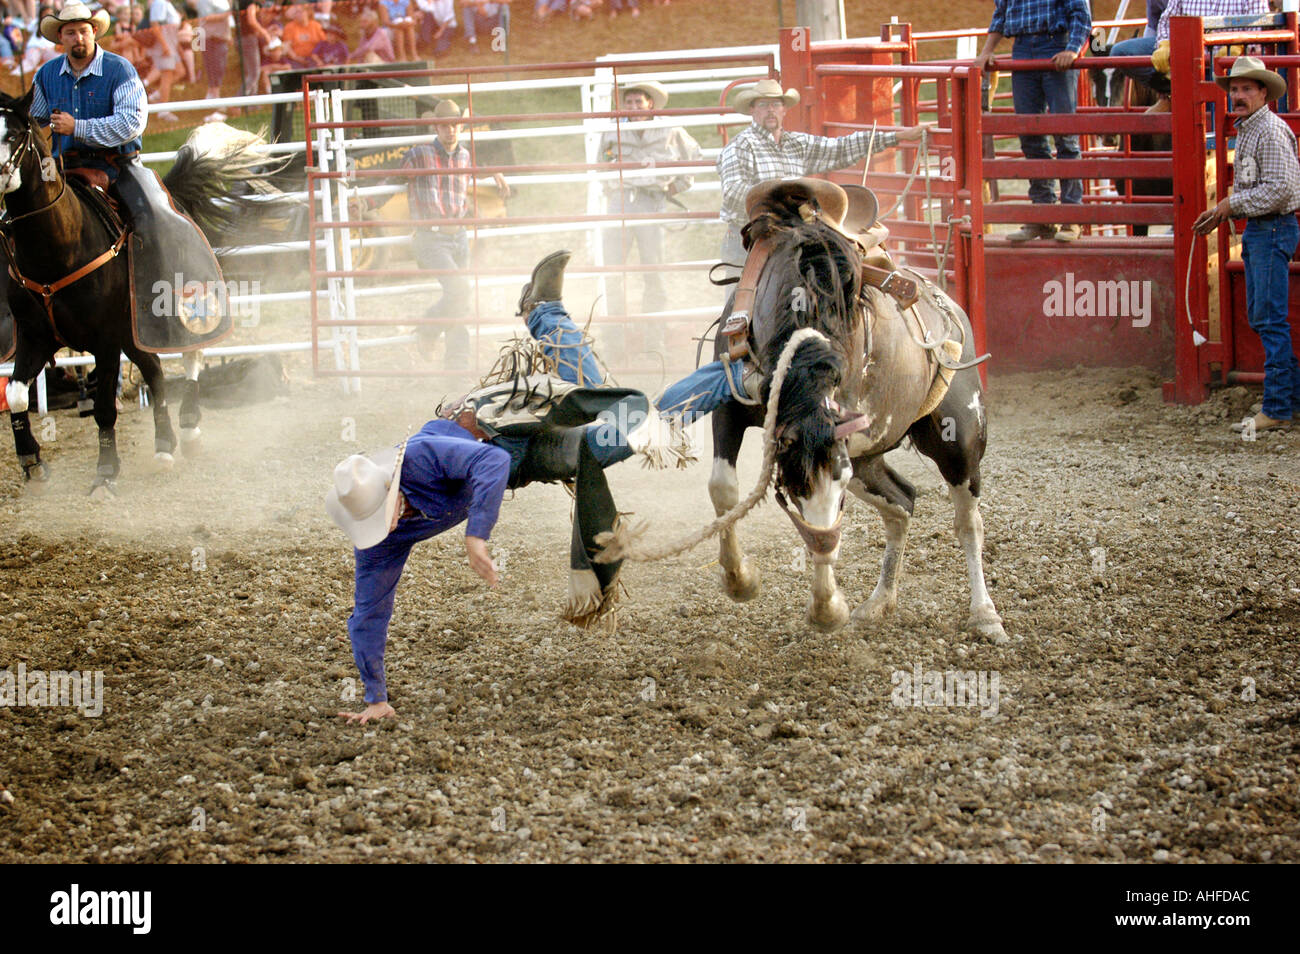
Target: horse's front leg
107, 366
739, 579
27, 365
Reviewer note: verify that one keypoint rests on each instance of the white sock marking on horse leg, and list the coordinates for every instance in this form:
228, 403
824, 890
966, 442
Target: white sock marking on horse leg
970, 532
884, 598
16, 394
724, 491
193, 364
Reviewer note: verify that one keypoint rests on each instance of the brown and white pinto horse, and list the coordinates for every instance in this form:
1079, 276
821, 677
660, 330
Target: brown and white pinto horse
851, 394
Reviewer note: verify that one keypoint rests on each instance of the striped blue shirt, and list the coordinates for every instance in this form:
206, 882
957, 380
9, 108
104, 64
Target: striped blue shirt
1021, 17
107, 101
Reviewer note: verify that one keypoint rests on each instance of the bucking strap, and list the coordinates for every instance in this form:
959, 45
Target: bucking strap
902, 289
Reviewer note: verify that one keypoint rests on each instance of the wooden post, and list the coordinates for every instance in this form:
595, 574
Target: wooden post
825, 18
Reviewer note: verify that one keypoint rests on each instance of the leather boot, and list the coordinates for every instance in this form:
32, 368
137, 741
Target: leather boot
546, 283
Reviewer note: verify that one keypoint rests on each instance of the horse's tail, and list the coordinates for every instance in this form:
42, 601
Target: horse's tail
216, 160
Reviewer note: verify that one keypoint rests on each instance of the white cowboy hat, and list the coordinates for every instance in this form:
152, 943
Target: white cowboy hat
764, 89
654, 91
1252, 68
364, 496
73, 12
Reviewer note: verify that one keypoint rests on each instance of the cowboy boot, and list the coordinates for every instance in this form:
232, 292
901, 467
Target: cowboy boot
546, 283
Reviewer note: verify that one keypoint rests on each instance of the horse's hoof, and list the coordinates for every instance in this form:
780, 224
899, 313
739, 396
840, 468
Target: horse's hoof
163, 462
103, 490
829, 615
742, 584
191, 441
875, 610
36, 478
989, 625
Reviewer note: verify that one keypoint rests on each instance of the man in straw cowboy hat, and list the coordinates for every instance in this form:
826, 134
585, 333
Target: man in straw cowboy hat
444, 247
1265, 192
94, 104
764, 151
642, 187
522, 427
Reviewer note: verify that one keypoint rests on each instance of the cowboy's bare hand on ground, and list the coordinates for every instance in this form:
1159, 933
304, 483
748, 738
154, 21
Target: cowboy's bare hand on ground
1211, 219
376, 710
480, 560
1063, 59
62, 123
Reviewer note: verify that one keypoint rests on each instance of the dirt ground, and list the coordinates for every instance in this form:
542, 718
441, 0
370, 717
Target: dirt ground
1143, 559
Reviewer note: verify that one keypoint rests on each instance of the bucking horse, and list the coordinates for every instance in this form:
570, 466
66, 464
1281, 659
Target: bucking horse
845, 358
68, 272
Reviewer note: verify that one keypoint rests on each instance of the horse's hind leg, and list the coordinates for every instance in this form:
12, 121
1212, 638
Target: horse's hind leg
191, 438
953, 437
107, 366
876, 483
739, 579
164, 438
27, 364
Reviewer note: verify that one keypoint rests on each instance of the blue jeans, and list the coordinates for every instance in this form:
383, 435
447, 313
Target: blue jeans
700, 392
1051, 91
446, 250
549, 323
1146, 74
1266, 249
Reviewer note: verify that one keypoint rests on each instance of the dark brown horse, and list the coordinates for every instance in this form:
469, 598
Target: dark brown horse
54, 236
861, 388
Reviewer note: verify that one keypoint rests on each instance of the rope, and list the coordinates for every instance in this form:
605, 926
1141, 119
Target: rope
623, 543
1198, 339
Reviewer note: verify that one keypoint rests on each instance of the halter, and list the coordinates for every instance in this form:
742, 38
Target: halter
12, 164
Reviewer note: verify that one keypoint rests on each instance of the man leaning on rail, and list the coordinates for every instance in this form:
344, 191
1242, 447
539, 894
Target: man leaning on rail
764, 150
1043, 30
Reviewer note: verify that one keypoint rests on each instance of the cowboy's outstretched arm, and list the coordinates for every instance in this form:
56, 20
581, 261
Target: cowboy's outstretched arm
126, 123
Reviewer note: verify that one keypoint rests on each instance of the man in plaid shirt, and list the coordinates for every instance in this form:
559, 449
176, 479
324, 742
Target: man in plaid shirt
444, 247
1043, 30
1145, 46
1265, 192
765, 151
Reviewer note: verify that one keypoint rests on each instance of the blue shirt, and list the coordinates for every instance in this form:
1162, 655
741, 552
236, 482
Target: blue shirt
1019, 17
107, 101
449, 477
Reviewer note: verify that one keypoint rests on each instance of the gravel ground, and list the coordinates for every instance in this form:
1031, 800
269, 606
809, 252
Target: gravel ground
1143, 557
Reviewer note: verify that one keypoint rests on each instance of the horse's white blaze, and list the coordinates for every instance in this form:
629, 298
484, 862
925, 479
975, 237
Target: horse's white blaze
824, 505
16, 396
970, 532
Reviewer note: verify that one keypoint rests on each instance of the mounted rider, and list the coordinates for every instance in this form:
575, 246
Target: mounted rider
95, 105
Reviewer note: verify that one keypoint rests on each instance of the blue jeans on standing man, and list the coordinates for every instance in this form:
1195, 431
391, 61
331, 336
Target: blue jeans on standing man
1266, 249
1048, 91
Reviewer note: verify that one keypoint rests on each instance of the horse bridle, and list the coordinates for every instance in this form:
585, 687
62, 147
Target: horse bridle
9, 166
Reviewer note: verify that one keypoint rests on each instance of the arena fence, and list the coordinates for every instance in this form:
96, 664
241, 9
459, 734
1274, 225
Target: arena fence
343, 189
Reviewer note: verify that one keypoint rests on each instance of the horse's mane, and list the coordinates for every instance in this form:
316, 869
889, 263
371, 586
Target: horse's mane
812, 280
